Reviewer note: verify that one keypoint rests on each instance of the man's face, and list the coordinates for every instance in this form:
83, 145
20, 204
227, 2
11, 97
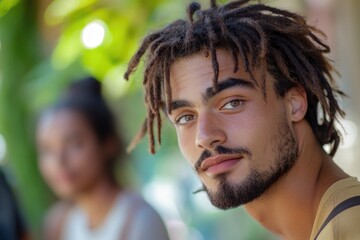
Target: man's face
237, 141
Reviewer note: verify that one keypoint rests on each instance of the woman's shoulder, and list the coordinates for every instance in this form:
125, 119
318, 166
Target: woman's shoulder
139, 204
55, 219
145, 219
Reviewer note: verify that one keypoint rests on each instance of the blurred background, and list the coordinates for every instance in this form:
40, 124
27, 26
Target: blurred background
46, 44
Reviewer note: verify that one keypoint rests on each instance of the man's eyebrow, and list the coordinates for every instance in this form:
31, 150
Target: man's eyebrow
179, 104
226, 84
209, 93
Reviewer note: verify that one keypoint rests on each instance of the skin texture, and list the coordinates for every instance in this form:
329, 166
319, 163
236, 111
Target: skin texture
75, 165
271, 133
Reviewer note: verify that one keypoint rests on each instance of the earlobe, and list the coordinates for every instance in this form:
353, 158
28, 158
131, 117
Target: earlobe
297, 103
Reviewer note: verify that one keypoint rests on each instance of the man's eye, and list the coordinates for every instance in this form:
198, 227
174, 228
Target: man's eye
232, 104
184, 119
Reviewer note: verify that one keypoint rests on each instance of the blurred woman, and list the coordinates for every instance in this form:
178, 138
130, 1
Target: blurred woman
78, 147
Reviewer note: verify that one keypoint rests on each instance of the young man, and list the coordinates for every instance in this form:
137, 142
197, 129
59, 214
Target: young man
250, 93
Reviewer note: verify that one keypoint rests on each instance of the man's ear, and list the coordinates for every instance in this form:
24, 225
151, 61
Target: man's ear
297, 103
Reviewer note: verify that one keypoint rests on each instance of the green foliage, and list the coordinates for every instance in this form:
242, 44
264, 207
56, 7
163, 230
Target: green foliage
124, 24
17, 58
6, 5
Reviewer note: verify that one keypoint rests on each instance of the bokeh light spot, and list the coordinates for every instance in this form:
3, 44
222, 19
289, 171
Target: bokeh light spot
93, 34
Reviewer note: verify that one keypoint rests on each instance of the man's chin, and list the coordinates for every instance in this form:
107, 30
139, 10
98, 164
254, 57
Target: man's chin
229, 195
222, 202
225, 197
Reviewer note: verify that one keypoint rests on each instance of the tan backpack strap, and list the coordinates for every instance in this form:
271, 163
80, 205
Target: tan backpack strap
348, 203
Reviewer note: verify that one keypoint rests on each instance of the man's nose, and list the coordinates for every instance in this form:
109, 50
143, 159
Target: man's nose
210, 132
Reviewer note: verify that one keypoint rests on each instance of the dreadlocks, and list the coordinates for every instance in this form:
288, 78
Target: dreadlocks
267, 39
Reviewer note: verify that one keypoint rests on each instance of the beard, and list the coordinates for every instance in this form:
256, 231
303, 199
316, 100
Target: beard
231, 195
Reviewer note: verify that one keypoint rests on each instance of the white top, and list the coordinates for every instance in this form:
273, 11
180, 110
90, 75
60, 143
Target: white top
130, 216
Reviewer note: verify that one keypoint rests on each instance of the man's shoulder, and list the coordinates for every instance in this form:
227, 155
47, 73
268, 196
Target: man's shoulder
347, 224
344, 225
340, 191
346, 189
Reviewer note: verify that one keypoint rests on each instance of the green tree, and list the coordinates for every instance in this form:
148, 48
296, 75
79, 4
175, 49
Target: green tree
20, 52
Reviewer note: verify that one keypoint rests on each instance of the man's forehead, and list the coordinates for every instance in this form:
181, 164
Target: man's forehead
199, 64
193, 75
198, 67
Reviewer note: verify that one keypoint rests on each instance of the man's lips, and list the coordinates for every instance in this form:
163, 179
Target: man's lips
219, 163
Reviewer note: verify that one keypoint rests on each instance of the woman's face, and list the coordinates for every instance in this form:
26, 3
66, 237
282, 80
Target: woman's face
71, 158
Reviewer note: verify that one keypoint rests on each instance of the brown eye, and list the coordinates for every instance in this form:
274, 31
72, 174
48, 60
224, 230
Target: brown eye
232, 104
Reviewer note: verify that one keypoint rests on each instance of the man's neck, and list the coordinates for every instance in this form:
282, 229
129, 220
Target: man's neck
289, 208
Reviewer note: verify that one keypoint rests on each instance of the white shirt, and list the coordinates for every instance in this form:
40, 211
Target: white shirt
130, 216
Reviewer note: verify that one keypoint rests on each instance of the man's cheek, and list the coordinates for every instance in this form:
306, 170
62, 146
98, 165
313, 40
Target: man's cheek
187, 148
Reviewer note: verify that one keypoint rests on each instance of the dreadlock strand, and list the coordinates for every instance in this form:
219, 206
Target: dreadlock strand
241, 52
309, 70
156, 95
234, 4
141, 133
158, 126
234, 54
213, 4
211, 38
151, 97
150, 128
149, 68
215, 65
246, 50
326, 49
219, 20
235, 48
134, 61
155, 44
291, 59
284, 13
261, 8
261, 37
157, 101
263, 52
310, 76
192, 8
168, 89
251, 42
280, 64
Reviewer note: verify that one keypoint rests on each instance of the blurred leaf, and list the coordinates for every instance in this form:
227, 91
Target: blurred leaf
58, 10
68, 48
97, 62
6, 5
114, 83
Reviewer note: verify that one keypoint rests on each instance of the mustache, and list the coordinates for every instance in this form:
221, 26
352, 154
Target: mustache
219, 150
